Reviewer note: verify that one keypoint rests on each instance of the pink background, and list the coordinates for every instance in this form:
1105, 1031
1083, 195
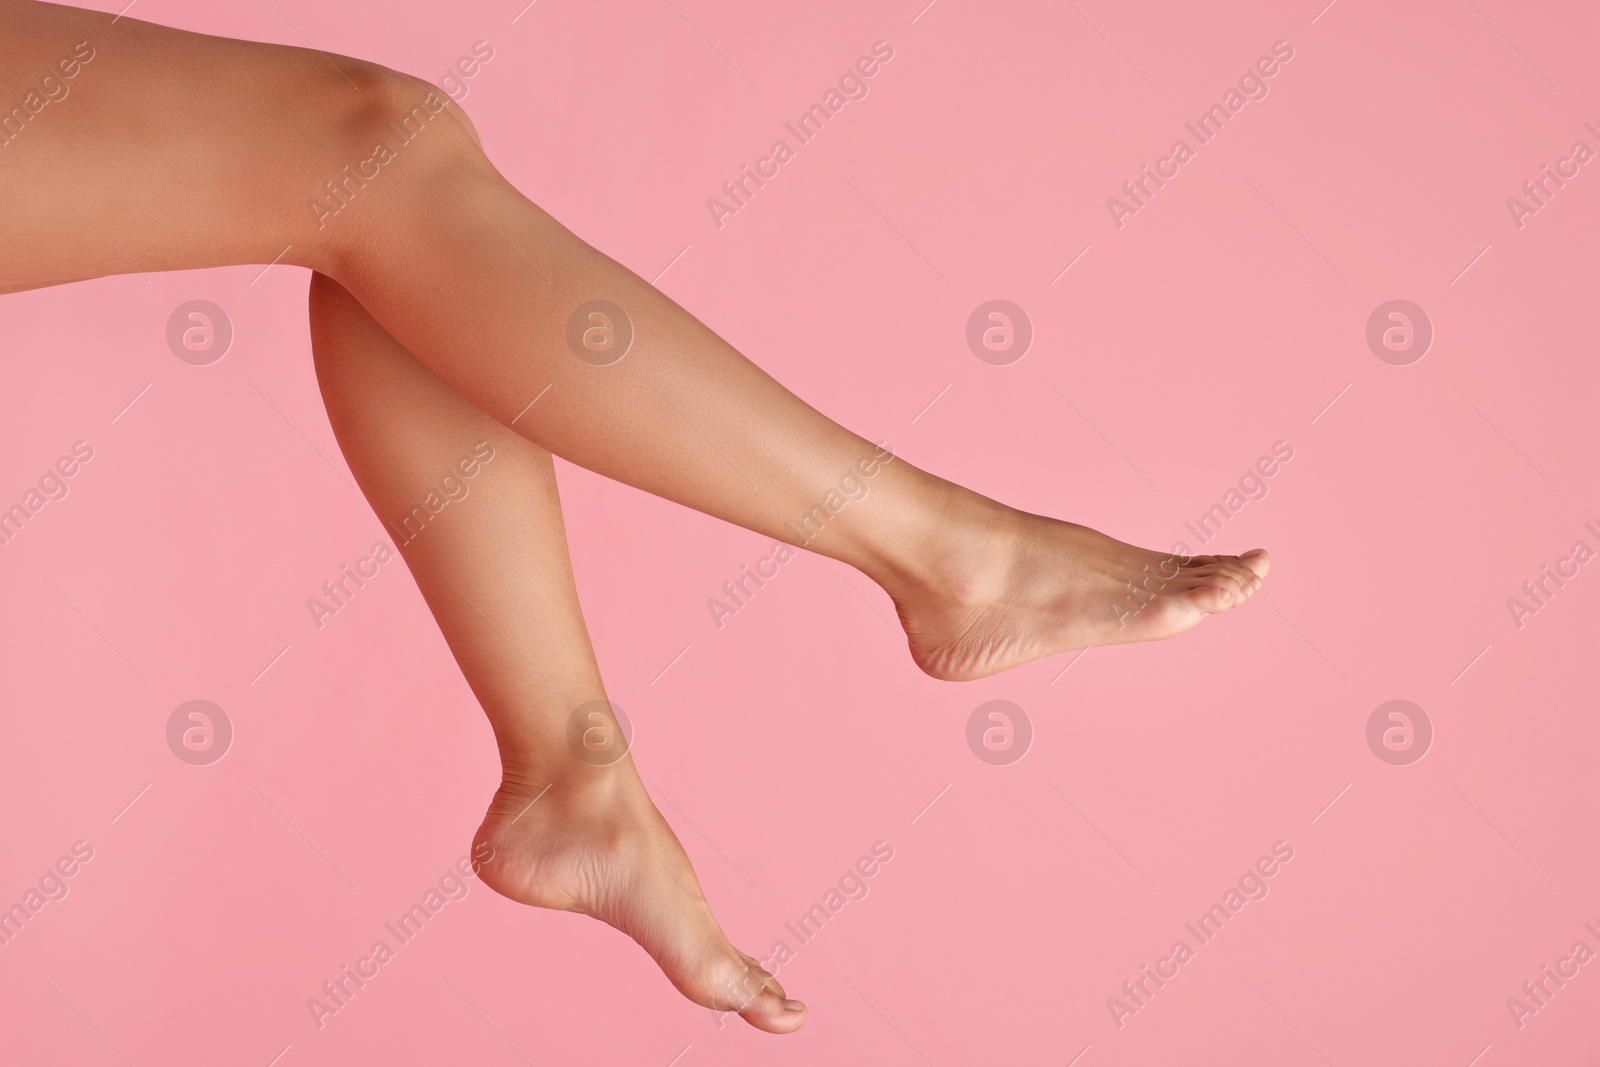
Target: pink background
1223, 317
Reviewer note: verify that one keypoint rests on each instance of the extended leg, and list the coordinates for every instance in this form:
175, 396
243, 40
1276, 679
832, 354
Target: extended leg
510, 307
571, 826
377, 181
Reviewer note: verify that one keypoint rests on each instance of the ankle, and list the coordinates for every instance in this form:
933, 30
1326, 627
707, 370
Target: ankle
561, 780
960, 548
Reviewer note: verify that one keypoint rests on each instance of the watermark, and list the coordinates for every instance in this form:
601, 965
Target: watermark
454, 81
1537, 992
757, 575
1138, 596
599, 732
53, 88
599, 332
999, 332
1552, 578
1399, 332
1399, 732
199, 732
51, 886
852, 487
453, 488
339, 193
1251, 487
1251, 886
999, 732
199, 332
852, 85
1252, 85
338, 591
1541, 190
51, 486
852, 886
339, 991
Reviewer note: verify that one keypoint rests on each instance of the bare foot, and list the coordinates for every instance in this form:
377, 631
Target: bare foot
594, 843
1013, 587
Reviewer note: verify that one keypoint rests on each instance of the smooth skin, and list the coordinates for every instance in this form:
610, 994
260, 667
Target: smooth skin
439, 308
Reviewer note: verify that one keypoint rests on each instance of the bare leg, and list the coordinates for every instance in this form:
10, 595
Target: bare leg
565, 832
271, 145
979, 586
179, 151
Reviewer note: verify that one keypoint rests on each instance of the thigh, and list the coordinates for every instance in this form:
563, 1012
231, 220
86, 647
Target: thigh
129, 147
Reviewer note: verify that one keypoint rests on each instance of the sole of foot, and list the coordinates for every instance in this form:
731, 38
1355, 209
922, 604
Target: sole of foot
609, 854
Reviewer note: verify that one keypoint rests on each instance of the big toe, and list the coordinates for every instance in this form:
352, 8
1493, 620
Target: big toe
770, 1009
758, 998
773, 1012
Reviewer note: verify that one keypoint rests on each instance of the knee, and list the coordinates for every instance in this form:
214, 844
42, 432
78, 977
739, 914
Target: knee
408, 106
399, 134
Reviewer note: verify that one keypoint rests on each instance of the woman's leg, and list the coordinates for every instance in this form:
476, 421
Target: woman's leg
499, 299
567, 831
179, 150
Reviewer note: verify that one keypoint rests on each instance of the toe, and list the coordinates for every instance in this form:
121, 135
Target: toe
1232, 576
1258, 561
1213, 595
771, 1011
761, 975
1241, 573
747, 989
